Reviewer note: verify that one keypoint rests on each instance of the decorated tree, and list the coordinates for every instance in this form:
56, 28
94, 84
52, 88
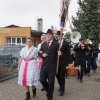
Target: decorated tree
87, 21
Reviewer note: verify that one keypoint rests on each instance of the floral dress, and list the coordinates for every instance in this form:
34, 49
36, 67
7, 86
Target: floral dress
29, 72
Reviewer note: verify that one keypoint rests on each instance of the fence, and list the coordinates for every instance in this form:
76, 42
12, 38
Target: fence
9, 61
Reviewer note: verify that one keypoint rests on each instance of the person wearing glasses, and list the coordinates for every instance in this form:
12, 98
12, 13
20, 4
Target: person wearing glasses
28, 68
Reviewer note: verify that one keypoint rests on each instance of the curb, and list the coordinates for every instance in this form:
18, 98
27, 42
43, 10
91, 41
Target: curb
9, 77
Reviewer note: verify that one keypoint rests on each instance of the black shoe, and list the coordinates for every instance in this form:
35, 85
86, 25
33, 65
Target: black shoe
49, 98
88, 74
81, 81
85, 73
94, 71
61, 93
42, 89
59, 89
34, 92
78, 78
27, 96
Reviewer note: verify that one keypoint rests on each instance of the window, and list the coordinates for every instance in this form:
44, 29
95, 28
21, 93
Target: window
8, 40
16, 41
23, 40
13, 40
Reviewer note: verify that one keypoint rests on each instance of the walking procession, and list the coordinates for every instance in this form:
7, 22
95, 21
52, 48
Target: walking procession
43, 64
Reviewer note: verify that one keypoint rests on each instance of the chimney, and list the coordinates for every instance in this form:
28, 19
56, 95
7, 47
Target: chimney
40, 24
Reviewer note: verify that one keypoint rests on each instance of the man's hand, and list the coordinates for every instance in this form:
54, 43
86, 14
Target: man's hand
70, 64
40, 52
79, 44
44, 55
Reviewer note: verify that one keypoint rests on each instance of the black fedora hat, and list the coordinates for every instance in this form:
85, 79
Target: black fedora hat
49, 31
59, 33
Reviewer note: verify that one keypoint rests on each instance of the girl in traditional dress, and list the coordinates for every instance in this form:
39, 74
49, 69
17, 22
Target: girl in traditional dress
28, 68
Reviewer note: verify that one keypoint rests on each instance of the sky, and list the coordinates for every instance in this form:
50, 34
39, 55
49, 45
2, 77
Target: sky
25, 12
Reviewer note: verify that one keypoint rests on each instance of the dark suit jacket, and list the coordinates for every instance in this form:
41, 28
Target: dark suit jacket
50, 62
65, 58
95, 51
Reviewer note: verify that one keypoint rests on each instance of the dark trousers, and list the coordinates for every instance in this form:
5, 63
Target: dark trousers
93, 63
47, 78
88, 64
85, 69
80, 72
61, 78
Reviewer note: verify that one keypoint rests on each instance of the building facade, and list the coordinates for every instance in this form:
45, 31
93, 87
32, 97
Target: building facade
16, 35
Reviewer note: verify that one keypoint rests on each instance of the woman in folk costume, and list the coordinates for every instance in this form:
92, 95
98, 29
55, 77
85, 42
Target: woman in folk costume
28, 68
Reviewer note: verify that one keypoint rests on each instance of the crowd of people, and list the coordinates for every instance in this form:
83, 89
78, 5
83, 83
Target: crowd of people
85, 56
48, 61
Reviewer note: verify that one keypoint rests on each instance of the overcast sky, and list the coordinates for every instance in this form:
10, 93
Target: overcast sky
25, 12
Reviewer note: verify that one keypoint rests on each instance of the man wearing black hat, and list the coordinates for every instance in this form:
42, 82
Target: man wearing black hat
49, 53
64, 59
80, 58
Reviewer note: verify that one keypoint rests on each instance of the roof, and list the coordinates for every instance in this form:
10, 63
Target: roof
12, 26
34, 32
15, 26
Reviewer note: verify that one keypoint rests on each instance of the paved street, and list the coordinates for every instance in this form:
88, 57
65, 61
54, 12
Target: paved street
88, 90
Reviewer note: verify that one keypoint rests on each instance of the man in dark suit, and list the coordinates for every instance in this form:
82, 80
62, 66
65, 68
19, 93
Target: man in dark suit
64, 59
49, 52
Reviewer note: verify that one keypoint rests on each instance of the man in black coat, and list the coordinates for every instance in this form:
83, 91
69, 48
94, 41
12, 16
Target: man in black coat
49, 53
64, 59
95, 52
80, 58
88, 44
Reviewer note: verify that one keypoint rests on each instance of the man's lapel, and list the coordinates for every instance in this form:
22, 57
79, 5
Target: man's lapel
62, 45
46, 46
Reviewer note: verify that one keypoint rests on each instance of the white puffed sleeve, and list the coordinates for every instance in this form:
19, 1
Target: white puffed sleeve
36, 53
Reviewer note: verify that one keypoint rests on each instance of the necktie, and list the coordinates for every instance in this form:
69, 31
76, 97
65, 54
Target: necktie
48, 45
60, 45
